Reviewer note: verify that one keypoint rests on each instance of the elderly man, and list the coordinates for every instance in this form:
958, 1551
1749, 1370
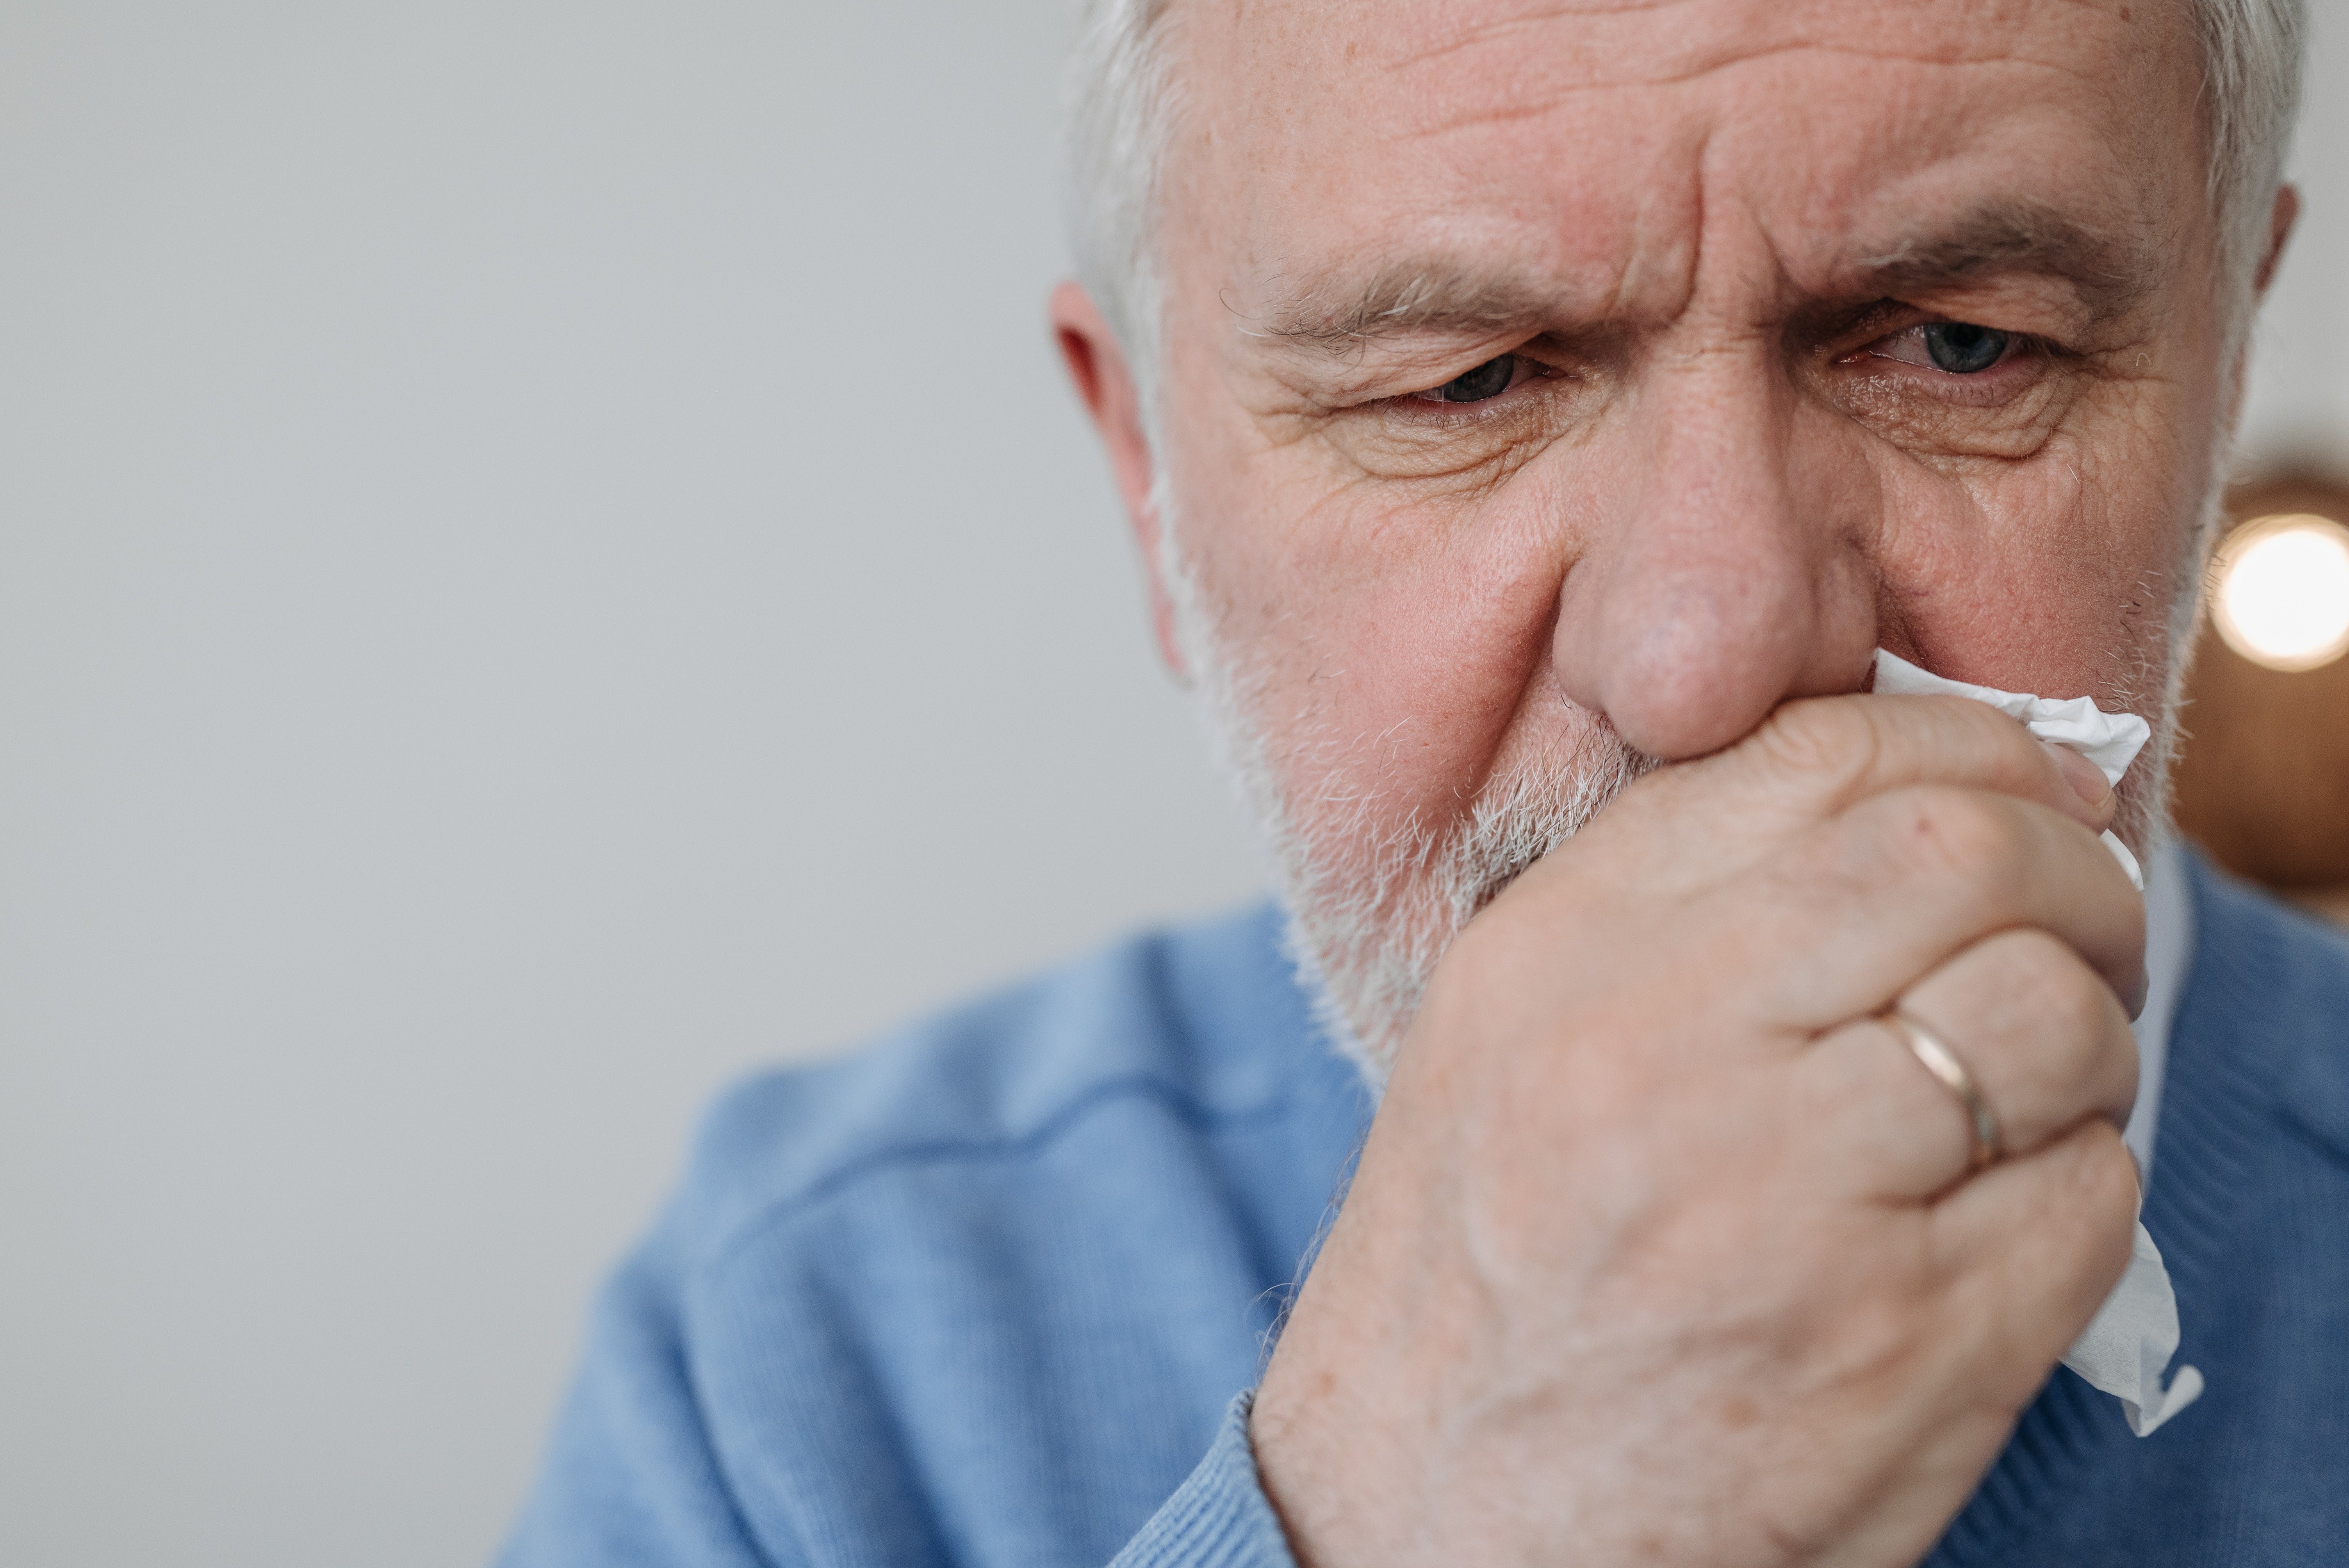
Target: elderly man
1535, 418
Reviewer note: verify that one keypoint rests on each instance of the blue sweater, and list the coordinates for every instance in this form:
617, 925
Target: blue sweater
991, 1292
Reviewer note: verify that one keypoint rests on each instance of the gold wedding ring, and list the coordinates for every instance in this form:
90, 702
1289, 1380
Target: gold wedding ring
1933, 1054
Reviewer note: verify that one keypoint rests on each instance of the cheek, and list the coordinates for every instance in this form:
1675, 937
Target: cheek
1393, 646
2055, 575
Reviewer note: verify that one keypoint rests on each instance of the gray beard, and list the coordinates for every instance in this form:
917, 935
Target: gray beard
1370, 905
1371, 913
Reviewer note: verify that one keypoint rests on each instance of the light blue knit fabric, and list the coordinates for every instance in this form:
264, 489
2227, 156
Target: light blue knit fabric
992, 1292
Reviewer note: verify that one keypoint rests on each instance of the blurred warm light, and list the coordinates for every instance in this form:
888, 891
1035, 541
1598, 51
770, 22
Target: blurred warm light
2282, 590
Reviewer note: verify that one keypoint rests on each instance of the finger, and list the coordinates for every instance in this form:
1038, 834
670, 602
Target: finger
2045, 1039
2033, 1246
1848, 914
1813, 759
2042, 1039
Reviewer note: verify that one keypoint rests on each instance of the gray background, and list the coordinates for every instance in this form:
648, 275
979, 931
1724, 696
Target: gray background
543, 561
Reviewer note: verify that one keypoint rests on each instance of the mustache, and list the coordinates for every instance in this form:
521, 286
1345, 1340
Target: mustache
1538, 813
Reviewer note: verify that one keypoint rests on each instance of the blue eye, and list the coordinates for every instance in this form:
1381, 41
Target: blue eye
1962, 348
1489, 379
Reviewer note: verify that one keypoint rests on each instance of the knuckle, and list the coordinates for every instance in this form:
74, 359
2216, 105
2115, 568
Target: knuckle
2043, 977
1831, 740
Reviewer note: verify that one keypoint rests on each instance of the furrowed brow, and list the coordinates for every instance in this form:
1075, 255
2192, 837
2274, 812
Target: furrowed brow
1337, 316
2109, 272
1341, 313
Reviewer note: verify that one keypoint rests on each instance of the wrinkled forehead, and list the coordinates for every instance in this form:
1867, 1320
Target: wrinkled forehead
1601, 141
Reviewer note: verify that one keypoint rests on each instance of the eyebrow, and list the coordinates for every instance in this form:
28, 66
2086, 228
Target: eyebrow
1443, 296
1450, 296
2110, 271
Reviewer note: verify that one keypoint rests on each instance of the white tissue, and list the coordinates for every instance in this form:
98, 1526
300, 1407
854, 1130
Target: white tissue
2127, 1344
2110, 741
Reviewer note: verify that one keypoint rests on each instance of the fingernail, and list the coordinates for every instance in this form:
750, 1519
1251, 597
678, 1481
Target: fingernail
2088, 779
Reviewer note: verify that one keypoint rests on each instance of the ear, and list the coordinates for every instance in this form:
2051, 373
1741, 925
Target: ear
2282, 217
1104, 383
2285, 213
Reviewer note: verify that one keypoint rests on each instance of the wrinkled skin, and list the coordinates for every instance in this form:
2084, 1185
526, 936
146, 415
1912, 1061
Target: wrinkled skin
1658, 1251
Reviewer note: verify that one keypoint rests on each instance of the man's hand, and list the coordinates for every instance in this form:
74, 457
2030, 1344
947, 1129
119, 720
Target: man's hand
1662, 1249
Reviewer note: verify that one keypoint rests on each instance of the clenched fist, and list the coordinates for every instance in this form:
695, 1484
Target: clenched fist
1662, 1248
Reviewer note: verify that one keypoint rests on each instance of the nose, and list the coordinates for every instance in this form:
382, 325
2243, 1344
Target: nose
1727, 574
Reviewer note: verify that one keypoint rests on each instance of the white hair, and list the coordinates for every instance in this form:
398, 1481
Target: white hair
2251, 56
1123, 102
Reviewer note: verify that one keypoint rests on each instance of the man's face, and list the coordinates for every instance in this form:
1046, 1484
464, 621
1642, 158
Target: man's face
1551, 388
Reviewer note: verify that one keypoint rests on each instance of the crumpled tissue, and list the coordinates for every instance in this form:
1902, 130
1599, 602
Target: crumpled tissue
2110, 741
2128, 1344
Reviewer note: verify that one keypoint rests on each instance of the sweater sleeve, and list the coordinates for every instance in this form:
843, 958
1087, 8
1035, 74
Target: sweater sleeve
629, 1476
1219, 1518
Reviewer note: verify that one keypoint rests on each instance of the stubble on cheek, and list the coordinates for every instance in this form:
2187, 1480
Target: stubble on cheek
1378, 876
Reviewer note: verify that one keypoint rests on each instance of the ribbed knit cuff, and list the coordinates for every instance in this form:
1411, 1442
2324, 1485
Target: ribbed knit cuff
1219, 1518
